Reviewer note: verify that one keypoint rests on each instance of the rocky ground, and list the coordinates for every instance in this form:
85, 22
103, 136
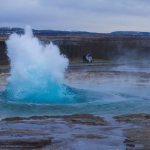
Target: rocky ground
137, 137
81, 131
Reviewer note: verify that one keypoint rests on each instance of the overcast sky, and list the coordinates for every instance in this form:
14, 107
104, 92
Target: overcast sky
77, 15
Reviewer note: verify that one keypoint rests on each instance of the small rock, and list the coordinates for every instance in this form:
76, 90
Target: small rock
89, 136
25, 143
133, 118
85, 119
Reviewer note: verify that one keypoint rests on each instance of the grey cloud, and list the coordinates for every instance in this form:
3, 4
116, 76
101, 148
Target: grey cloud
90, 15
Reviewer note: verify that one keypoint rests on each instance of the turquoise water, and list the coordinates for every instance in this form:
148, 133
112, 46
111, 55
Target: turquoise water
99, 94
89, 102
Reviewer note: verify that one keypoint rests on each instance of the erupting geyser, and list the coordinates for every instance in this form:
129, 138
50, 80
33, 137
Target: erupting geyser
37, 70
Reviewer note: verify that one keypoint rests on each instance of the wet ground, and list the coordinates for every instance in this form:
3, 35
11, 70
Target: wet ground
76, 132
105, 123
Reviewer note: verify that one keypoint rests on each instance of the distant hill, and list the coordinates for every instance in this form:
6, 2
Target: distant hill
131, 33
8, 31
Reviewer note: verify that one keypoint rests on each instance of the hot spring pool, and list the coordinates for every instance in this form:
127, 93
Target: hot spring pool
100, 92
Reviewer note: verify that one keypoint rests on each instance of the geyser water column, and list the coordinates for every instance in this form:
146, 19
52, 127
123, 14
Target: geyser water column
37, 70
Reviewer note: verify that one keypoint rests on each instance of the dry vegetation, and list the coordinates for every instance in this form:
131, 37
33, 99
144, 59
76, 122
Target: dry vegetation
101, 47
